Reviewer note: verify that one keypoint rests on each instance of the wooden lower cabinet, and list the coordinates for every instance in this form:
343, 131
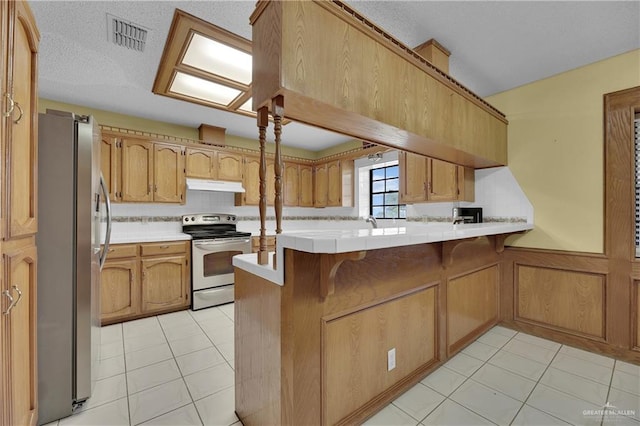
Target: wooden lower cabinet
164, 283
472, 306
144, 279
355, 349
271, 243
19, 324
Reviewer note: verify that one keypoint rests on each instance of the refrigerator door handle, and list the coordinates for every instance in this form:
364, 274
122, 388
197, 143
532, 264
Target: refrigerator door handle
107, 237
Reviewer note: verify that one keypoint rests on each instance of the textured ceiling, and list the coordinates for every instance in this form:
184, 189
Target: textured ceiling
495, 46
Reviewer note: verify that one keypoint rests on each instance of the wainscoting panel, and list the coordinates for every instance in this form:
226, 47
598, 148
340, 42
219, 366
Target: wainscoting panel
571, 301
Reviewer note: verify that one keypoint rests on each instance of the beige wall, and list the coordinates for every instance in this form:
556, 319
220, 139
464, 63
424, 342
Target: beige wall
151, 126
556, 150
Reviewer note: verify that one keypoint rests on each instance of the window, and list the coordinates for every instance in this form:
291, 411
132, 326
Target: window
384, 194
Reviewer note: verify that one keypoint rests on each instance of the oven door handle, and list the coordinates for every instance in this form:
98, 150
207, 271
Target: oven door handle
230, 243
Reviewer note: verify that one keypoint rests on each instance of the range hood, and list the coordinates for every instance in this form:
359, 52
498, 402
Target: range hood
213, 185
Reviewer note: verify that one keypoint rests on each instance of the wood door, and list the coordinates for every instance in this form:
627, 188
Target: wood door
443, 181
20, 281
229, 167
305, 186
320, 184
22, 142
168, 173
165, 283
137, 170
413, 177
291, 184
119, 290
334, 183
110, 164
200, 163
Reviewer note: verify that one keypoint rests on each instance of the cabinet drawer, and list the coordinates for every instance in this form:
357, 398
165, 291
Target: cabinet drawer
117, 251
160, 248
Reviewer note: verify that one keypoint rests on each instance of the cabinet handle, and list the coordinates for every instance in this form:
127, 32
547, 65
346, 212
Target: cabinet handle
111, 250
155, 188
17, 121
11, 105
19, 295
164, 247
149, 189
6, 293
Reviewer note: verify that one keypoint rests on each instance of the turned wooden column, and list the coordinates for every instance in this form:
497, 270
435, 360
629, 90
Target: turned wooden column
263, 122
277, 110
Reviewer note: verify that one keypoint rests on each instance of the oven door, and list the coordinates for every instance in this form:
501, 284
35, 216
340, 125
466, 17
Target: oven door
212, 261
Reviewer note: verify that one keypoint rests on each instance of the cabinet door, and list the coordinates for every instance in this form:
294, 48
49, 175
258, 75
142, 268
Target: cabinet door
168, 173
137, 170
165, 283
200, 163
20, 282
443, 178
466, 184
229, 167
110, 164
320, 185
306, 186
413, 177
21, 150
119, 289
291, 184
251, 181
334, 183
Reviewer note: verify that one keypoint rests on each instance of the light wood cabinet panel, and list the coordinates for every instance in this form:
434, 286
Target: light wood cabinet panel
163, 248
118, 251
472, 304
168, 173
466, 184
200, 163
306, 186
291, 184
568, 300
20, 281
356, 346
251, 182
442, 181
111, 164
21, 145
334, 183
137, 170
271, 243
413, 177
320, 185
164, 283
119, 289
229, 167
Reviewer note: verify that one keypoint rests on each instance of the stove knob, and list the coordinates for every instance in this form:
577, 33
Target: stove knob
233, 218
193, 219
186, 219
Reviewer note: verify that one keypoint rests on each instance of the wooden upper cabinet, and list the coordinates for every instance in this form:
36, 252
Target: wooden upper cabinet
200, 163
466, 184
442, 183
111, 164
168, 173
413, 177
305, 186
320, 185
22, 136
137, 170
229, 167
165, 283
291, 187
251, 182
334, 183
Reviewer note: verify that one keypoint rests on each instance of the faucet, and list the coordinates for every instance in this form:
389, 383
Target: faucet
458, 220
373, 221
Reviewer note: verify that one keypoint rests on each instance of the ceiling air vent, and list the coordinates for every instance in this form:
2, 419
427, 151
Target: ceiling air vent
126, 33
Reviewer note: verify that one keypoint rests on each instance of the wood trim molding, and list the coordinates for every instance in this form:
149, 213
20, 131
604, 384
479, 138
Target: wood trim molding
329, 264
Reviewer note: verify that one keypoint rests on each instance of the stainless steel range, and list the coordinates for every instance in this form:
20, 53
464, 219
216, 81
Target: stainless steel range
215, 242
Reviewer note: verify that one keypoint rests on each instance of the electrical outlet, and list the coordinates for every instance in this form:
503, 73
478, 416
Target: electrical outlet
391, 359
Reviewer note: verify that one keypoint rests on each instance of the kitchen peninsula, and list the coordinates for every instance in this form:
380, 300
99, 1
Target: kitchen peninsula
350, 319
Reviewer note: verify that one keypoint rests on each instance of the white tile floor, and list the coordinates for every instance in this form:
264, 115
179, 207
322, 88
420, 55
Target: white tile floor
177, 369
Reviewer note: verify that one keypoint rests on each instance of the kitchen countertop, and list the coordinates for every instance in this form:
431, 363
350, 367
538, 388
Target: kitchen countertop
147, 237
347, 240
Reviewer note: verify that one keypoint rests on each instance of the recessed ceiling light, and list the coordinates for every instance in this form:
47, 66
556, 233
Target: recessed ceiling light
199, 88
218, 58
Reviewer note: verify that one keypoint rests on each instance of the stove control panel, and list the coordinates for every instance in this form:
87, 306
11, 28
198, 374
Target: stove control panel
208, 219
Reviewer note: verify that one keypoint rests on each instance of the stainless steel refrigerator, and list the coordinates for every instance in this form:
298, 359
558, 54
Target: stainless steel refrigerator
72, 204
